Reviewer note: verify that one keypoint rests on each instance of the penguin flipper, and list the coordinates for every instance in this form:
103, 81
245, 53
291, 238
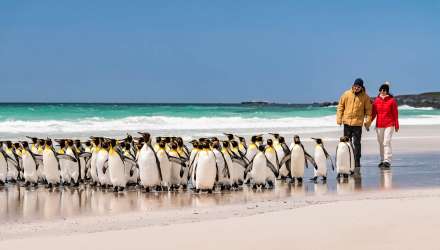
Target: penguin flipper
272, 167
327, 155
285, 159
85, 155
226, 172
176, 159
310, 159
67, 157
105, 167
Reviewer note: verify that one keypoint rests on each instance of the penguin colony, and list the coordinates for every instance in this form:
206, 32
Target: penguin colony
166, 163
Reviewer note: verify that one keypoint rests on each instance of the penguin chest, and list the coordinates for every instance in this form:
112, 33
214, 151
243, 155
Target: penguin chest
321, 162
148, 167
116, 169
343, 159
205, 173
297, 161
259, 171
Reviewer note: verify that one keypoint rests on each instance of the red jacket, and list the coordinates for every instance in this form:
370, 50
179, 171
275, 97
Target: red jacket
385, 110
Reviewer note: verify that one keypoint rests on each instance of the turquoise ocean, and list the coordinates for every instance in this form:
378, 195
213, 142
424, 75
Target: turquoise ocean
18, 120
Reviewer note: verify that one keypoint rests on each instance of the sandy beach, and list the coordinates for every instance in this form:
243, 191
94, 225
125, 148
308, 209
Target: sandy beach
381, 217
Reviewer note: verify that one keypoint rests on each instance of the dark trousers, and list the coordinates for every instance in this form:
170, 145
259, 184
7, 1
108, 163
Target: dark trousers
355, 134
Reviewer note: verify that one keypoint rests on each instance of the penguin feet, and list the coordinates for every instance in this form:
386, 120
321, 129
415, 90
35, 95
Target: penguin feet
300, 180
270, 184
210, 191
324, 179
2, 183
27, 184
147, 189
338, 176
115, 189
254, 186
346, 176
184, 186
121, 189
314, 179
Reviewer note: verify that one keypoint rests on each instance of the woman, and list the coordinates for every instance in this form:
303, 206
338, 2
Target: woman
386, 114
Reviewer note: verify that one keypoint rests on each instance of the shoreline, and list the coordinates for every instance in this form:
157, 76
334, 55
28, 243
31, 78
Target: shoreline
21, 234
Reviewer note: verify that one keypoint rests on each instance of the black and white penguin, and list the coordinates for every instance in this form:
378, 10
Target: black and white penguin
283, 150
51, 164
221, 156
344, 157
261, 170
149, 166
321, 157
205, 170
298, 160
30, 165
116, 167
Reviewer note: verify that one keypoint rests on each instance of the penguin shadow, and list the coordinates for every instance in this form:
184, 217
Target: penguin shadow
320, 188
385, 179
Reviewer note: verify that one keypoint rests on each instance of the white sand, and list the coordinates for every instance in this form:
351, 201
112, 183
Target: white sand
404, 219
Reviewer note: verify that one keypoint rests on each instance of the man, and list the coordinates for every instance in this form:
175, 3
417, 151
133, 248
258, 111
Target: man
354, 111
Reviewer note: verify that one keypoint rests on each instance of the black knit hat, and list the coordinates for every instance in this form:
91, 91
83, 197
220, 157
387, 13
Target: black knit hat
359, 82
385, 87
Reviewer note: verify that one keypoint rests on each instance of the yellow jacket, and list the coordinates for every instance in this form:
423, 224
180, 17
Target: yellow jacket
353, 109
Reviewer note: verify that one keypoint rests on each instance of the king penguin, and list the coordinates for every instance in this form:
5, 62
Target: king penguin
321, 157
261, 171
343, 157
149, 165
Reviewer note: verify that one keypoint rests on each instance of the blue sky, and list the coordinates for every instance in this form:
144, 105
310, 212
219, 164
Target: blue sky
214, 51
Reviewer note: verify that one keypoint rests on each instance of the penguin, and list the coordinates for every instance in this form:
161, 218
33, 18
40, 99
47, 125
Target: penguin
93, 167
344, 158
197, 147
271, 154
64, 163
282, 150
261, 171
321, 157
165, 165
224, 176
183, 152
79, 149
13, 162
30, 165
131, 169
239, 165
205, 170
149, 166
116, 167
102, 165
3, 165
17, 151
51, 164
175, 167
298, 160
74, 167
352, 162
252, 149
242, 147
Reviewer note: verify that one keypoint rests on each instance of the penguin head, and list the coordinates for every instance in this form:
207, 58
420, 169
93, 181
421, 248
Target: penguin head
254, 139
234, 144
179, 141
174, 146
70, 143
17, 145
205, 145
344, 139
317, 140
229, 136
200, 146
113, 143
96, 141
8, 144
260, 139
129, 138
241, 139
123, 144
226, 144
216, 145
105, 145
281, 139
275, 135
269, 142
88, 143
167, 139
33, 139
25, 144
158, 139
162, 144
127, 146
77, 143
62, 143
296, 139
48, 142
261, 148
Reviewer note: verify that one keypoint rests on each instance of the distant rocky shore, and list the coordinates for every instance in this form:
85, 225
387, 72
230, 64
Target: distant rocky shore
429, 99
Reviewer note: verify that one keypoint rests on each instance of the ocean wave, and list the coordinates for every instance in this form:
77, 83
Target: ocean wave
407, 107
165, 123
